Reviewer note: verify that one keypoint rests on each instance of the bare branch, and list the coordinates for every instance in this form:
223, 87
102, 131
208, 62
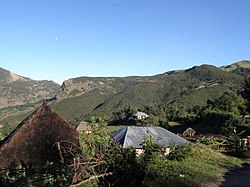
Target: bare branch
91, 178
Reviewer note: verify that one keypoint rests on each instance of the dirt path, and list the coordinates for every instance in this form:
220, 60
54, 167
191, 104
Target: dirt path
238, 177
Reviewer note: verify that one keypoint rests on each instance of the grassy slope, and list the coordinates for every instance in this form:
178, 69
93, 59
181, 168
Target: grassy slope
139, 95
76, 107
193, 87
201, 165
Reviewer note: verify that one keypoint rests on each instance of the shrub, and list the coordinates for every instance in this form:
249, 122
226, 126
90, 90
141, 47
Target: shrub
180, 152
214, 142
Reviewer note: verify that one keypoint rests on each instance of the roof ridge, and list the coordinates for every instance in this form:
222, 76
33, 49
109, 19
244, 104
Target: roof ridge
125, 138
34, 138
7, 138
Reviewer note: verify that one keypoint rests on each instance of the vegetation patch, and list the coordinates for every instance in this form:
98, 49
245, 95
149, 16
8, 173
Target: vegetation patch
201, 164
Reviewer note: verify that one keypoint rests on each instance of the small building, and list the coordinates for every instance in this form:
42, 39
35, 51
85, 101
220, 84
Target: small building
133, 136
189, 132
42, 137
1, 126
140, 115
84, 127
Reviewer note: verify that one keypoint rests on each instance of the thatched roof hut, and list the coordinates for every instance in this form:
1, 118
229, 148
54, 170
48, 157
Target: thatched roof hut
84, 127
189, 132
35, 140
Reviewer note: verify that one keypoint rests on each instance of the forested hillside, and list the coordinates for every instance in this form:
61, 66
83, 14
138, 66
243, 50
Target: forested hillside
174, 93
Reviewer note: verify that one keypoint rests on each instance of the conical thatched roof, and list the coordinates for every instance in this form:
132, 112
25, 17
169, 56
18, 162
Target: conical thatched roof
34, 141
83, 126
189, 132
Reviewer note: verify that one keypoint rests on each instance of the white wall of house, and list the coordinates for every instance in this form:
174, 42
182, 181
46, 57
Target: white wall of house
165, 151
138, 152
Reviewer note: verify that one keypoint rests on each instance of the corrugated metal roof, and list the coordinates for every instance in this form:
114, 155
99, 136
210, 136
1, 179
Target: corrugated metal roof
141, 114
133, 136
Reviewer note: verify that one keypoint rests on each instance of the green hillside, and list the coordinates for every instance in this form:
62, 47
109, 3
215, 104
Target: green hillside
187, 89
175, 92
183, 89
74, 108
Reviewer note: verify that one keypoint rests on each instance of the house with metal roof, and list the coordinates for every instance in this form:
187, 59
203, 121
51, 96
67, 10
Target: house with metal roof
141, 115
133, 136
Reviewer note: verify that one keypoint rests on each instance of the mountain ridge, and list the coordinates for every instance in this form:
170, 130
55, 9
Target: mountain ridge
76, 85
184, 88
175, 91
8, 77
17, 90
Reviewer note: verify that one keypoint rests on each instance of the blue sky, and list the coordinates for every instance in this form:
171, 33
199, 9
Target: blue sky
61, 39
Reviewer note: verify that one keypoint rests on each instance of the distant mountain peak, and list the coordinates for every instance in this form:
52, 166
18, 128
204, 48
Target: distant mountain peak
10, 77
14, 77
234, 66
18, 90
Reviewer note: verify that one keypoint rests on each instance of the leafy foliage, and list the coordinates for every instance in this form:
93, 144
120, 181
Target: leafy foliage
180, 152
101, 163
187, 165
214, 142
224, 114
96, 158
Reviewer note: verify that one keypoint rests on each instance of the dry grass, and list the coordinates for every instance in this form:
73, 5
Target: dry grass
33, 142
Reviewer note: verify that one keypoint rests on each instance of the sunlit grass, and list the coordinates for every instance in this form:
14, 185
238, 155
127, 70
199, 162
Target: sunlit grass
201, 165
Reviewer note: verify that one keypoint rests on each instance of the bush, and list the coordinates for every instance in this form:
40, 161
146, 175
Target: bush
180, 152
188, 165
214, 142
1, 136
